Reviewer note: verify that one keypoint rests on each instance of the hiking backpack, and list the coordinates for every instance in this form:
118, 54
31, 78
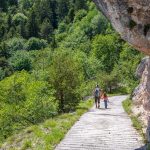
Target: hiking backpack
96, 92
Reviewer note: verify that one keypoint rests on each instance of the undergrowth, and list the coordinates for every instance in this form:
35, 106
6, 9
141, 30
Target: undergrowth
127, 105
48, 134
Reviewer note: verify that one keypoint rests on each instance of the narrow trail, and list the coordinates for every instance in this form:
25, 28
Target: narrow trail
101, 129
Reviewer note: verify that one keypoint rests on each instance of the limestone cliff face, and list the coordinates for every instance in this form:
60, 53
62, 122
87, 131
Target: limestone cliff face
141, 95
131, 18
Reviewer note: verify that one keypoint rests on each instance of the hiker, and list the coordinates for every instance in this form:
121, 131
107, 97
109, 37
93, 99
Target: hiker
97, 96
105, 97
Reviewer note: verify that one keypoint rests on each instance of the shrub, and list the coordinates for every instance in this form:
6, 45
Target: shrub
80, 14
19, 18
24, 101
21, 60
39, 103
35, 44
62, 28
15, 44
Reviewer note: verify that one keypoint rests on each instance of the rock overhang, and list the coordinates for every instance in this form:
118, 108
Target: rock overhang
131, 18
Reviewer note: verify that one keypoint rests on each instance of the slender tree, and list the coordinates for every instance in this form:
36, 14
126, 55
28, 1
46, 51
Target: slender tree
32, 25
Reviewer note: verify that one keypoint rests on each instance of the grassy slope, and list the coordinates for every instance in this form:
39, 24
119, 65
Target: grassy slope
48, 134
127, 105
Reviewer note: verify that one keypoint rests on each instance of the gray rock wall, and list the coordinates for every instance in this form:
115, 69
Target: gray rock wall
141, 94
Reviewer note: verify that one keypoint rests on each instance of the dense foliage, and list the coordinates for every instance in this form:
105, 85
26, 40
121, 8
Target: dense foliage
52, 54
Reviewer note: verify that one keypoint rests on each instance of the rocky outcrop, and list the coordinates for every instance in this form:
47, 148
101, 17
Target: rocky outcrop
141, 95
131, 18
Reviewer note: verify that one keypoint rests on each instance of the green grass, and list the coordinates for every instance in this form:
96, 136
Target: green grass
136, 123
127, 105
26, 145
148, 147
49, 133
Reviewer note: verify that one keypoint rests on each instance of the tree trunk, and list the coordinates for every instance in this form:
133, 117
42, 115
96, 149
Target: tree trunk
61, 101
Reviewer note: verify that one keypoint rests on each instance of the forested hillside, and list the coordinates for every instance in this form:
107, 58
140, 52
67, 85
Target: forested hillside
52, 54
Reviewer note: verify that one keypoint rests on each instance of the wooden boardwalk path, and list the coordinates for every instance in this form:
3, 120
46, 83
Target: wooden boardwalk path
101, 129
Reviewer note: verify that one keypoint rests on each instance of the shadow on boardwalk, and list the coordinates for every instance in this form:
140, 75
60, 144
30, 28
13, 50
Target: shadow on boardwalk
143, 148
